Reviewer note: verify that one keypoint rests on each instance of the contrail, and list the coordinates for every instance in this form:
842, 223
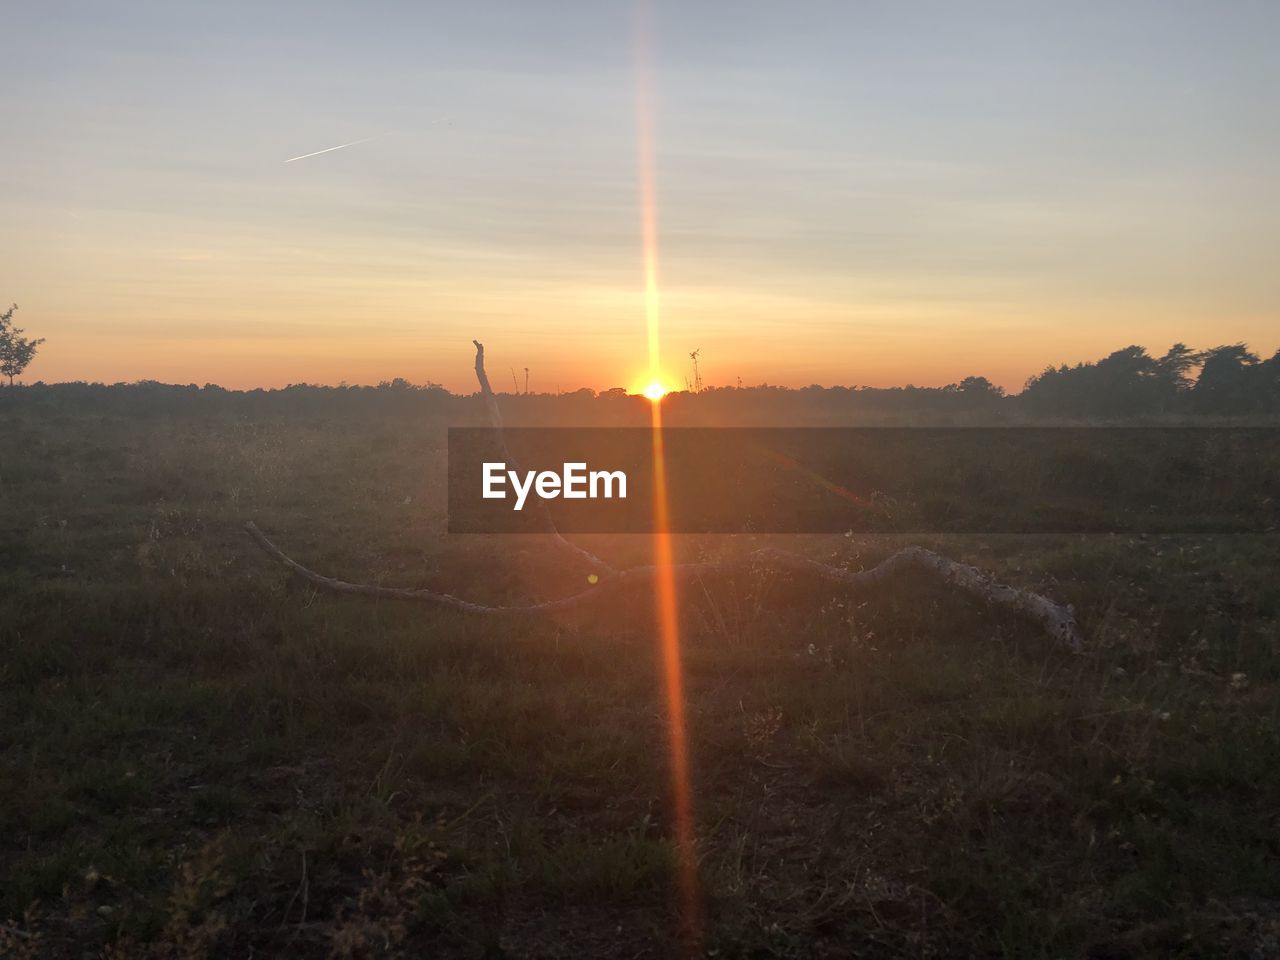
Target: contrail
329, 149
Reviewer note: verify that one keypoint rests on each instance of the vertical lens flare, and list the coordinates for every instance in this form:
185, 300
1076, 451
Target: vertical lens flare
673, 677
648, 192
664, 583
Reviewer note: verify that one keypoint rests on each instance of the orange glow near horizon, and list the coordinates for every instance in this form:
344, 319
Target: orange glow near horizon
665, 598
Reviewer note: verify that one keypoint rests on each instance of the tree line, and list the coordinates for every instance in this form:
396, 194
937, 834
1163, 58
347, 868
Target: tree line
1228, 381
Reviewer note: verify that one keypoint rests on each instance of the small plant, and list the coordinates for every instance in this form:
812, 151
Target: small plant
22, 941
387, 905
193, 928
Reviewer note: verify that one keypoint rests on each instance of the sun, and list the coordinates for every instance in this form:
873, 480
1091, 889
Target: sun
655, 391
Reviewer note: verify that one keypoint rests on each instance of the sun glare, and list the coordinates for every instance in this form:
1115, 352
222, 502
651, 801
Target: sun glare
655, 391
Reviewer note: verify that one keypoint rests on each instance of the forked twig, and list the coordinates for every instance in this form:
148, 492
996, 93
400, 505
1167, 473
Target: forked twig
539, 507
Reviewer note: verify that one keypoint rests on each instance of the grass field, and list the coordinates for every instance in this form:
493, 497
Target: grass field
202, 757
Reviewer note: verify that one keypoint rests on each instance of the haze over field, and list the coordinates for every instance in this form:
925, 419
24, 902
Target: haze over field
846, 193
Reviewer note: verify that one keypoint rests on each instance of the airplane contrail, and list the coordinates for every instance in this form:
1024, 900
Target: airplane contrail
329, 149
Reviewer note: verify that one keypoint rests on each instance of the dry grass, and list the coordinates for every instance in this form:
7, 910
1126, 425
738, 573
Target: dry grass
202, 758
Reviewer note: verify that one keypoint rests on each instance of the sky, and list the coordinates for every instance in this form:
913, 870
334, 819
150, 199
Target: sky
857, 193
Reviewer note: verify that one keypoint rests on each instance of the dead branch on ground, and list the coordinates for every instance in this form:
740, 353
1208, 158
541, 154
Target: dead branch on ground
1058, 620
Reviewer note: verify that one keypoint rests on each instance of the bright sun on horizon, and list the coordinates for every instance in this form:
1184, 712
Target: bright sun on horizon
655, 391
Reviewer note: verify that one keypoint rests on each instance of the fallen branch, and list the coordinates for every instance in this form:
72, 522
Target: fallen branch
1057, 619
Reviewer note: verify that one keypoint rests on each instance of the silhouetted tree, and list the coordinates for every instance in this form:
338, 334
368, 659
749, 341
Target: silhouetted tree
1267, 375
16, 351
1227, 381
1125, 383
978, 392
1174, 369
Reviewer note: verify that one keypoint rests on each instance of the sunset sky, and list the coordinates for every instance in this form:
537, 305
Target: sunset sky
854, 192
